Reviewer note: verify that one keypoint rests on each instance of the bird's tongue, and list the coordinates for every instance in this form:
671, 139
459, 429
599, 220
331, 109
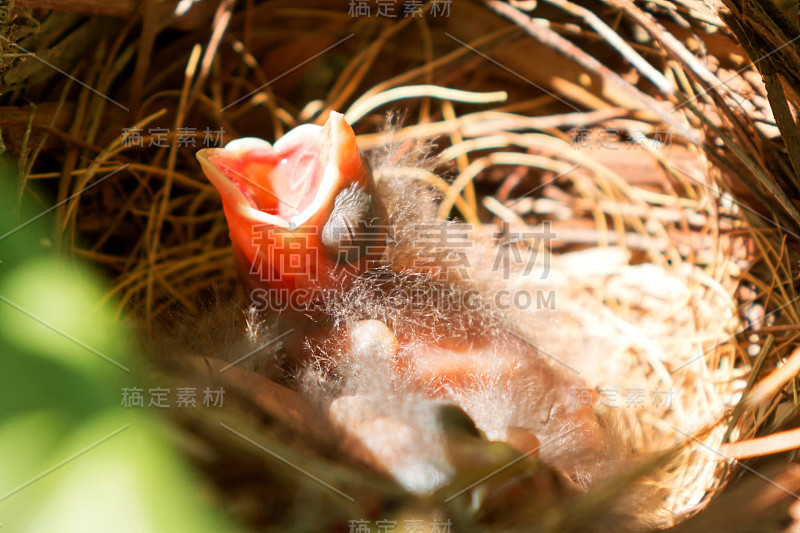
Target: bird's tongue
296, 178
282, 181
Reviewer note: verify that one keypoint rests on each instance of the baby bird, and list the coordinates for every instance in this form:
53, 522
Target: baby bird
388, 334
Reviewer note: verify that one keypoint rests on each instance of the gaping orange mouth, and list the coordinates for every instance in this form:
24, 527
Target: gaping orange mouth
282, 200
292, 176
288, 183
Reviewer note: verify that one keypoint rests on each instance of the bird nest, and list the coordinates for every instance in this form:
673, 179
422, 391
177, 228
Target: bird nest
640, 138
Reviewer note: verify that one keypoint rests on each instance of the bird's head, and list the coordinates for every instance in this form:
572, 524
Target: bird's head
301, 212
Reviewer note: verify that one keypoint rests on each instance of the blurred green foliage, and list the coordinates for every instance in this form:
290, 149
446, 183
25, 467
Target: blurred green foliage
72, 457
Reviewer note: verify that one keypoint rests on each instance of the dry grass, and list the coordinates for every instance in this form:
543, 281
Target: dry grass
644, 135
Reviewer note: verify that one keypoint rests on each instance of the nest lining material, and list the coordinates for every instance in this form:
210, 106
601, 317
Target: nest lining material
648, 253
644, 326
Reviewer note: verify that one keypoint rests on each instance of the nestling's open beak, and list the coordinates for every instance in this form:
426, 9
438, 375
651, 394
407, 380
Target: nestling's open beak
297, 210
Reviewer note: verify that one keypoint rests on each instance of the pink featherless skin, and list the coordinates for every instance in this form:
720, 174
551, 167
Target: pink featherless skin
307, 212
